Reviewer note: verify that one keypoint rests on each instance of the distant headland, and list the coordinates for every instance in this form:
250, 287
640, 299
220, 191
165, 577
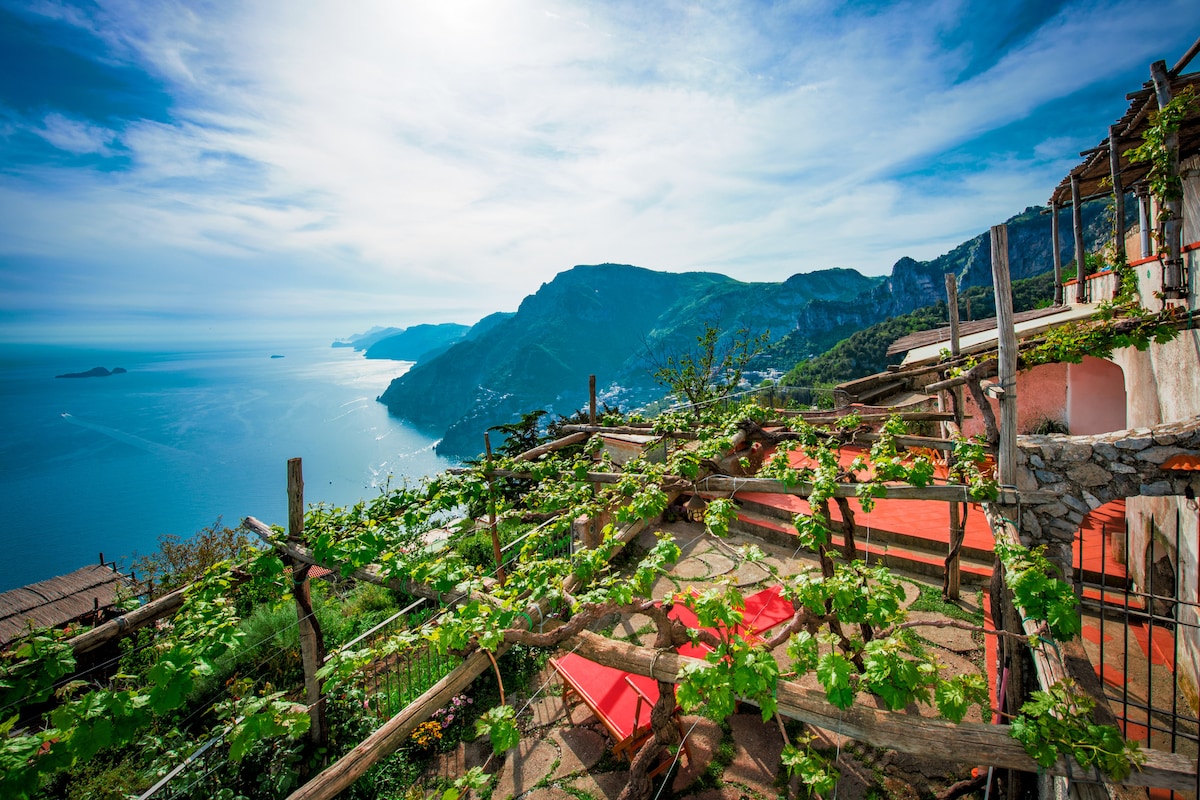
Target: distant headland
94, 372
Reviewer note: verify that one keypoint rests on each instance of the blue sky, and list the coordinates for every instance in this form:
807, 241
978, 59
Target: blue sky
190, 170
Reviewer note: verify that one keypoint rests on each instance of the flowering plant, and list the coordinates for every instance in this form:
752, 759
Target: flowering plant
427, 734
453, 711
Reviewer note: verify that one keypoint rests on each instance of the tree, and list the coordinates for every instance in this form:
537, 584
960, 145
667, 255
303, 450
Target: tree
180, 561
713, 369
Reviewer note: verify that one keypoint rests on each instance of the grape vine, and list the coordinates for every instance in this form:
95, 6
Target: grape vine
848, 630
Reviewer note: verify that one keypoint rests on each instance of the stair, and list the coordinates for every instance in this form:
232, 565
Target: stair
907, 540
904, 553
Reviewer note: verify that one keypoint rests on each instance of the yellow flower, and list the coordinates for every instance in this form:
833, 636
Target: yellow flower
427, 734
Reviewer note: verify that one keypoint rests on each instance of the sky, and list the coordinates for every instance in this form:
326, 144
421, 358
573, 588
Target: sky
175, 170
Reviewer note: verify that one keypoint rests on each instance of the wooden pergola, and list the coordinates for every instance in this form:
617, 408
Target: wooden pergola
1106, 170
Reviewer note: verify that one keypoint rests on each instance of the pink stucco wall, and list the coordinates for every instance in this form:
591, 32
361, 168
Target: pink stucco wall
1088, 398
1095, 397
1041, 395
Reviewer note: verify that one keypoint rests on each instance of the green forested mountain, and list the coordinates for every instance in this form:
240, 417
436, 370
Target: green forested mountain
607, 320
615, 321
418, 343
865, 352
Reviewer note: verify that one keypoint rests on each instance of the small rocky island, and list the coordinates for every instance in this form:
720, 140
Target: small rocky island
94, 372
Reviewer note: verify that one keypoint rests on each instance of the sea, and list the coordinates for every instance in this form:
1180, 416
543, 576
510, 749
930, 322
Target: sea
182, 440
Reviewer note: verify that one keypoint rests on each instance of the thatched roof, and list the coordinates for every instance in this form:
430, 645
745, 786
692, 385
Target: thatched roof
57, 601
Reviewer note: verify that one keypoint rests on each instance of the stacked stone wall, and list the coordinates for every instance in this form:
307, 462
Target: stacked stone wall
1062, 478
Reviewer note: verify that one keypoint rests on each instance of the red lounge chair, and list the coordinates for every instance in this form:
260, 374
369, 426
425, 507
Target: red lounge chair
620, 700
762, 611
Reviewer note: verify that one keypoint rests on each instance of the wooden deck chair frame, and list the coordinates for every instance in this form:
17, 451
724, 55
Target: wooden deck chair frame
625, 745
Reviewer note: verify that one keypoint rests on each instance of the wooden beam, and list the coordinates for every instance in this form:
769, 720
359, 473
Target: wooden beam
592, 399
1185, 59
983, 369
952, 307
908, 416
630, 430
548, 447
1172, 288
882, 390
953, 574
1007, 361
724, 483
928, 442
295, 496
497, 552
155, 610
372, 573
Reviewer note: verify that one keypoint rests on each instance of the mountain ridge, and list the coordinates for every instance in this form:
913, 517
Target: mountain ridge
610, 320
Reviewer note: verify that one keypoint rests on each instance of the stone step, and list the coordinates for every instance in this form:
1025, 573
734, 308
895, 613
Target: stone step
914, 561
907, 540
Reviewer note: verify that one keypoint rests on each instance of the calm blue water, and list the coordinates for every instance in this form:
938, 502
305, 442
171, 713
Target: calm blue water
94, 465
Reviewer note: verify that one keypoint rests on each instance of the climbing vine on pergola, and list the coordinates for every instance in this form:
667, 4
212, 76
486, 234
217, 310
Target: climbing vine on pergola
848, 627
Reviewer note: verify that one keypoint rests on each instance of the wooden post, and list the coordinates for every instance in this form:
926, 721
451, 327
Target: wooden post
1080, 255
1143, 197
952, 304
1114, 166
590, 536
1055, 238
295, 490
953, 575
1006, 458
952, 311
312, 645
499, 556
1173, 226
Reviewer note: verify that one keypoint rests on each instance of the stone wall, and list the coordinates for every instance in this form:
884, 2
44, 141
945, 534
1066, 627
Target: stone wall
1073, 475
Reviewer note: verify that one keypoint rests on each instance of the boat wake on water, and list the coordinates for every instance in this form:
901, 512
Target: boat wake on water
128, 438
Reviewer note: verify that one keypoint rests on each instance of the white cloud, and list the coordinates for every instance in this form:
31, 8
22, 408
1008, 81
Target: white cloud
385, 151
75, 136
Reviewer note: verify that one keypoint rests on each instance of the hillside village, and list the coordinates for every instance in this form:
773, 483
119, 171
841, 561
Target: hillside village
975, 572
